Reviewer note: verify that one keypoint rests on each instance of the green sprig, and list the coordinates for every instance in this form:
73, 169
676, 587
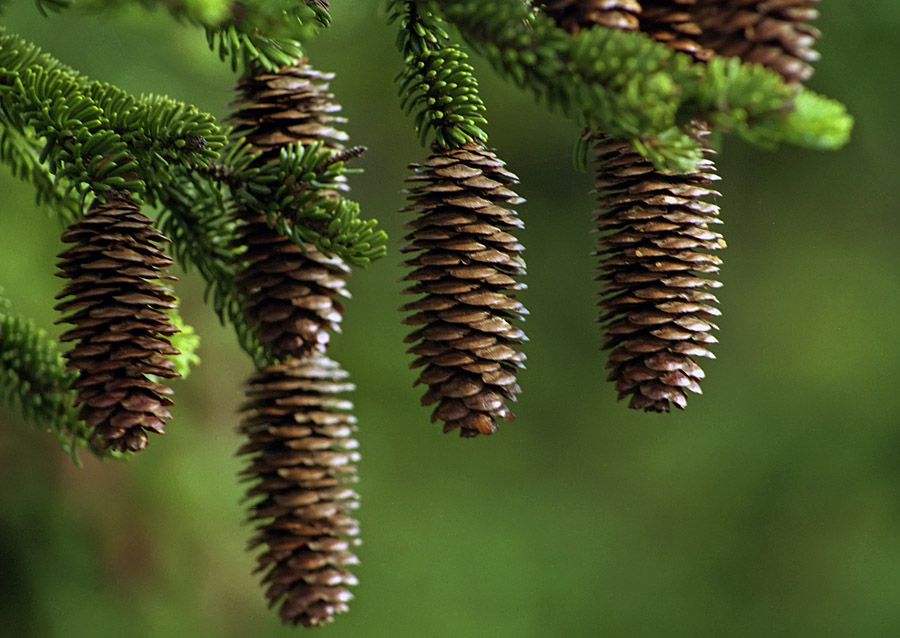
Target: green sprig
436, 82
297, 197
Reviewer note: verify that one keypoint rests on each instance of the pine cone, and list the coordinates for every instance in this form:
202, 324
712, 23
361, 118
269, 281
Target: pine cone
773, 33
120, 323
654, 260
293, 105
671, 22
302, 461
465, 266
289, 294
574, 15
656, 227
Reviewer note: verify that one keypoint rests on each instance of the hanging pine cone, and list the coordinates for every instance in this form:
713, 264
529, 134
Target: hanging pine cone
465, 267
655, 260
672, 22
118, 310
302, 462
774, 33
289, 293
656, 235
574, 15
289, 106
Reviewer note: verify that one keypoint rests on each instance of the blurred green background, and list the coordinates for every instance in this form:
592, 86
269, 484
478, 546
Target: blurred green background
771, 507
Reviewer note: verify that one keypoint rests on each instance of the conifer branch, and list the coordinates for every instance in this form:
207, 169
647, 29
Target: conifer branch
98, 138
34, 381
300, 183
264, 33
97, 135
198, 218
268, 34
195, 217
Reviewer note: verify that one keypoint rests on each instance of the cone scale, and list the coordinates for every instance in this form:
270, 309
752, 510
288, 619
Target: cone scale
575, 15
674, 23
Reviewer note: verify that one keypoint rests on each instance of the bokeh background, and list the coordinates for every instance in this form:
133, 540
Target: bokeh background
771, 507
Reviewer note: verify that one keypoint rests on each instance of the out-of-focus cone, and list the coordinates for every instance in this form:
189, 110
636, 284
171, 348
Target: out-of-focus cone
302, 462
672, 22
574, 15
774, 33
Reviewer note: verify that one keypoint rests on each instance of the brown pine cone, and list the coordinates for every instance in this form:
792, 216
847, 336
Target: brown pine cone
654, 246
465, 266
293, 105
290, 294
574, 15
655, 262
302, 462
118, 311
671, 22
774, 33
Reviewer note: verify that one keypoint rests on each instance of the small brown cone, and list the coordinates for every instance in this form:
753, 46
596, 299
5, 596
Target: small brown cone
290, 294
655, 265
574, 15
302, 461
466, 264
120, 326
773, 33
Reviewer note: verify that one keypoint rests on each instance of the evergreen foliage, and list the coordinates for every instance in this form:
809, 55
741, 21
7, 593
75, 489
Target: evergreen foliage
642, 91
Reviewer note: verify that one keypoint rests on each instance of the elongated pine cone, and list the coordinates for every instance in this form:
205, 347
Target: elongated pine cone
290, 294
302, 463
118, 311
774, 33
655, 263
466, 265
574, 15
